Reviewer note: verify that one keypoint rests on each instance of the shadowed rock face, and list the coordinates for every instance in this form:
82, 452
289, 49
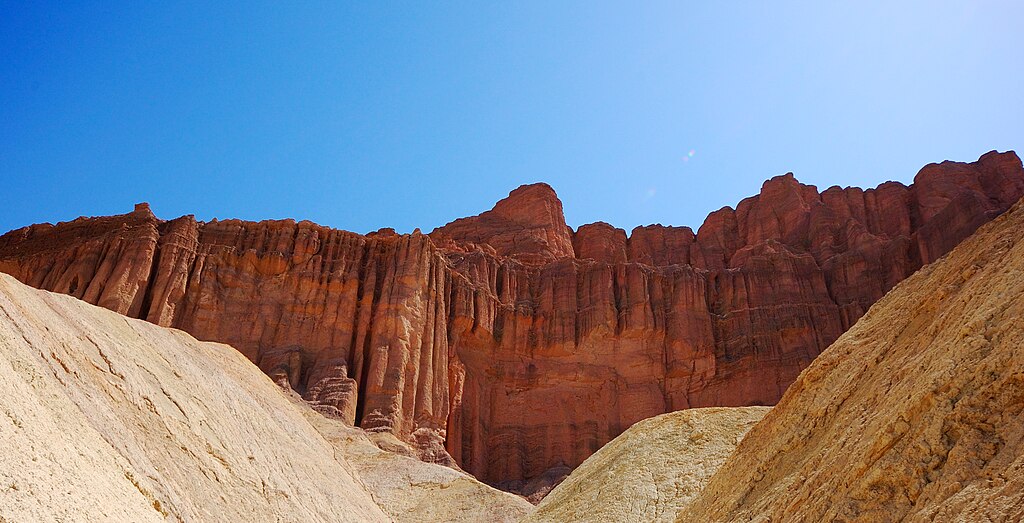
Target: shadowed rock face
506, 339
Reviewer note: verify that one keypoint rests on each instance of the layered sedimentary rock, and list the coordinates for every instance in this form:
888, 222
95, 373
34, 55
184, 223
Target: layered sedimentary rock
509, 341
914, 414
652, 470
107, 418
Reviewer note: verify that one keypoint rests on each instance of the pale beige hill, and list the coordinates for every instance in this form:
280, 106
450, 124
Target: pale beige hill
112, 419
912, 415
412, 491
651, 470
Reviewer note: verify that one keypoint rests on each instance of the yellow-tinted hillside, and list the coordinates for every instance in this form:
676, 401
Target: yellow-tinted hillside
913, 415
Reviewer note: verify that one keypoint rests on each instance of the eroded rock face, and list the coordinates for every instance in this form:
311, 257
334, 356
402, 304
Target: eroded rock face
914, 414
521, 345
600, 242
528, 225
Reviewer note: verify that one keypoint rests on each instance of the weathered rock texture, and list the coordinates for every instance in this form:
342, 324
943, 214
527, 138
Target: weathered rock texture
507, 340
650, 471
915, 414
411, 491
113, 419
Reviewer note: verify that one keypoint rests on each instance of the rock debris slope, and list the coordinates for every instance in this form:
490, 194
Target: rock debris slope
107, 418
914, 414
650, 471
507, 343
411, 491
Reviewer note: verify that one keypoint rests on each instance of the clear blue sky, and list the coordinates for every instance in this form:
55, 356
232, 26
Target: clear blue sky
412, 114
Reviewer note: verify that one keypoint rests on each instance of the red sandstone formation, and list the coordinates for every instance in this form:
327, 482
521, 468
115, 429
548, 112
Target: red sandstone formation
515, 343
528, 226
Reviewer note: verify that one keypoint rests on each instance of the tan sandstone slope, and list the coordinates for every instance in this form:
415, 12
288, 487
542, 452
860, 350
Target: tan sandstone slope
107, 418
650, 471
913, 415
410, 490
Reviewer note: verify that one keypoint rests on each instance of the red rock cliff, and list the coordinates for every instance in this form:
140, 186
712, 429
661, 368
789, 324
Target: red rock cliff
507, 339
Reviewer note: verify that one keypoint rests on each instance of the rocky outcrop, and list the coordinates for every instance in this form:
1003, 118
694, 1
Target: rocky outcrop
508, 341
113, 419
652, 470
914, 414
528, 225
600, 242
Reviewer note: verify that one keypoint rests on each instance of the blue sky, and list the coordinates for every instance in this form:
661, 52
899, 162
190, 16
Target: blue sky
410, 115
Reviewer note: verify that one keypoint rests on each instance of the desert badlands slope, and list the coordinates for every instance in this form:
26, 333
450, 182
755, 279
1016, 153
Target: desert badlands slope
913, 415
650, 471
107, 418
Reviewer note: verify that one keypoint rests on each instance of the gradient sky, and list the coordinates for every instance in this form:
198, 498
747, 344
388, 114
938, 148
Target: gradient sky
406, 115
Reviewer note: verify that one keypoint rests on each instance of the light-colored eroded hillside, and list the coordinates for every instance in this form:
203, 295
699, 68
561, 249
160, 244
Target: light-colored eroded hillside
411, 491
651, 470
